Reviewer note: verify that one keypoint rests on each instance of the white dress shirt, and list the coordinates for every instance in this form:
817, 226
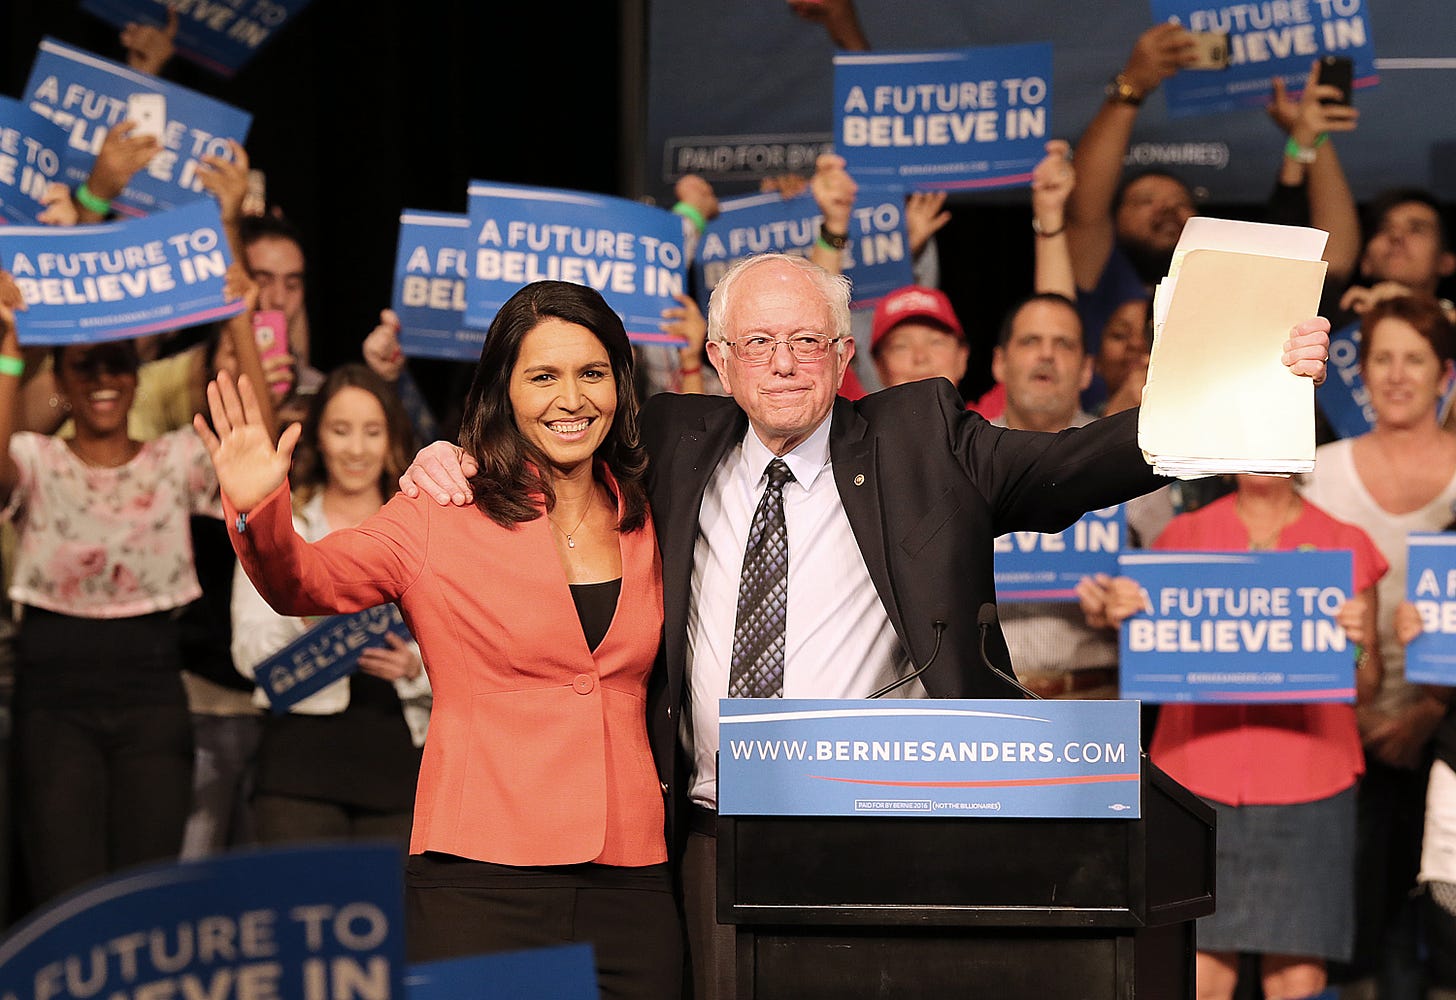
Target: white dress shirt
839, 642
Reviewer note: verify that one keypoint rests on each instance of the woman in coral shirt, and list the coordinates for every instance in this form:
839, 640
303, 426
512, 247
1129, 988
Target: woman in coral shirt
1282, 777
539, 818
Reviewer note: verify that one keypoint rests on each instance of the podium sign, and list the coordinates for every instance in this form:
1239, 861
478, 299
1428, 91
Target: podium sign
910, 757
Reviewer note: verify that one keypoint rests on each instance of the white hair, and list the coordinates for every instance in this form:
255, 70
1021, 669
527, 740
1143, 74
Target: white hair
833, 288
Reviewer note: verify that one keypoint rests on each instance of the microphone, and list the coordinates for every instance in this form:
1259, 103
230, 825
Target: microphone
939, 627
985, 619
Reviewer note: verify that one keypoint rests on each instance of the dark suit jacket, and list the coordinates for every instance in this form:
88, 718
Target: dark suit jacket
926, 484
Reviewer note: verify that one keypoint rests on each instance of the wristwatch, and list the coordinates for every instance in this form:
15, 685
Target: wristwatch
836, 241
1120, 90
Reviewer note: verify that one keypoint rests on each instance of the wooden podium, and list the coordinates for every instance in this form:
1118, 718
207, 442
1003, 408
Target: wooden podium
846, 907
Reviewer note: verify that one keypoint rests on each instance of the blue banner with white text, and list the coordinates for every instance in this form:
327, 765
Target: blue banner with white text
630, 252
430, 268
326, 652
297, 922
1037, 566
87, 96
87, 284
909, 757
567, 972
1430, 581
218, 35
877, 260
1228, 627
32, 150
949, 119
1264, 41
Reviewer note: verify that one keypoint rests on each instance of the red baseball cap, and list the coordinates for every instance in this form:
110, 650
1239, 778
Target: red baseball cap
913, 302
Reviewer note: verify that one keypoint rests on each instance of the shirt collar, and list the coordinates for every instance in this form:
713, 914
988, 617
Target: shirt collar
805, 461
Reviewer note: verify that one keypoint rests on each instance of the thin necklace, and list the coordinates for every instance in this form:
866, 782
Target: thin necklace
1291, 507
570, 542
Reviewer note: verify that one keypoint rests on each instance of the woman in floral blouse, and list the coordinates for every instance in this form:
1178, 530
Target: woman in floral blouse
102, 739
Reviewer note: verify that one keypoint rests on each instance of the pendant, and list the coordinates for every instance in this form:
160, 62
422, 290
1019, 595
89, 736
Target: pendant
570, 542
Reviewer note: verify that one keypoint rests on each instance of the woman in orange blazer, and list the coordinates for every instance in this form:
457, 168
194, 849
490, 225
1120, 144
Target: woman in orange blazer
538, 818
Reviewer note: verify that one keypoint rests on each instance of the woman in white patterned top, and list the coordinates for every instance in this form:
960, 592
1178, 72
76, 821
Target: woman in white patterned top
102, 738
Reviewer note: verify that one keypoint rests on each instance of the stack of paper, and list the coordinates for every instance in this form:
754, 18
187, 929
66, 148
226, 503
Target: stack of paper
1219, 398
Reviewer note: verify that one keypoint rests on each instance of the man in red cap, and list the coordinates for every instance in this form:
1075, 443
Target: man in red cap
915, 335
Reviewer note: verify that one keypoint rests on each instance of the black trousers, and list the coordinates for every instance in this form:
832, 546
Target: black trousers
98, 789
635, 933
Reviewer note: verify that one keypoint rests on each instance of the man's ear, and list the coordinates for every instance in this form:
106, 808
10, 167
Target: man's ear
719, 360
1086, 379
998, 364
845, 356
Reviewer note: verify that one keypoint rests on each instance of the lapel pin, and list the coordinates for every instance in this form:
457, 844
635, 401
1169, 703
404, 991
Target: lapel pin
859, 479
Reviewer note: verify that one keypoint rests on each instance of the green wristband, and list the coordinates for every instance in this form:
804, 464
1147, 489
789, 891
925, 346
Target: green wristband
92, 202
691, 214
11, 366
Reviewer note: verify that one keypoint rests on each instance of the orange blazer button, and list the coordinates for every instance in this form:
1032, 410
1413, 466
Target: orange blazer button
584, 683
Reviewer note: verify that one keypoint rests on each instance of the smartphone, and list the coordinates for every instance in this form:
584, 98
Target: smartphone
1337, 71
1211, 50
149, 111
270, 330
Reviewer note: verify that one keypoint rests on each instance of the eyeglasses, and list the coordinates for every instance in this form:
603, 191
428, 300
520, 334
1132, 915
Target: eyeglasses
757, 349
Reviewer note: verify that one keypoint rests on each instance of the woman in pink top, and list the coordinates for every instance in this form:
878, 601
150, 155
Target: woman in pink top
102, 736
1282, 777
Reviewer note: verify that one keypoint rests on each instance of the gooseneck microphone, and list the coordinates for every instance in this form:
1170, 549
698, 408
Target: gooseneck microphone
939, 627
985, 619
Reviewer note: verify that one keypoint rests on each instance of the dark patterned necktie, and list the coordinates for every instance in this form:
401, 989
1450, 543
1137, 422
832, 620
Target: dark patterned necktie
757, 669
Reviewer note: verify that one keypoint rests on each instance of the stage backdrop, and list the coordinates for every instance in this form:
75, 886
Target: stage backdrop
739, 90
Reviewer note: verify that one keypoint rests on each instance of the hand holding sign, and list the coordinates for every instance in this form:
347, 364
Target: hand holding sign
248, 466
397, 662
149, 47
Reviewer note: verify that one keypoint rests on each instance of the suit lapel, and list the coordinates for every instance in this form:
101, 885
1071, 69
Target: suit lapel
698, 453
853, 455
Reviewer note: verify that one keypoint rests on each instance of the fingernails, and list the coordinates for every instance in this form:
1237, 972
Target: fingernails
442, 498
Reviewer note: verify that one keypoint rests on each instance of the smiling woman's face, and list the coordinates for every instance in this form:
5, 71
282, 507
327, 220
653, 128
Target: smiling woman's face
563, 392
100, 383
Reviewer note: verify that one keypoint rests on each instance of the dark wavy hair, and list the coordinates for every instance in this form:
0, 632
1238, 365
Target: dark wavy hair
309, 474
512, 470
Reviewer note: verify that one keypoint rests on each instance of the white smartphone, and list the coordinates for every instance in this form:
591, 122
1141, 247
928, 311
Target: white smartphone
149, 111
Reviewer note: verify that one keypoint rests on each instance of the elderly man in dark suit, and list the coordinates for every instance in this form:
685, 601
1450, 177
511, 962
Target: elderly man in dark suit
819, 548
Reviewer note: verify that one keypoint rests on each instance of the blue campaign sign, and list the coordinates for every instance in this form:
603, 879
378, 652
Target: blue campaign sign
952, 119
221, 35
32, 149
1343, 398
1036, 566
908, 757
304, 922
1265, 41
1430, 582
630, 252
877, 259
430, 268
86, 284
567, 972
87, 95
1238, 627
328, 651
